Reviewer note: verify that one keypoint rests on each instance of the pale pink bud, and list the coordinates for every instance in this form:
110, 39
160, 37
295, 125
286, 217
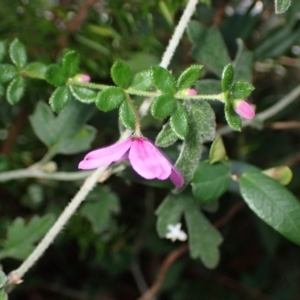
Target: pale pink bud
144, 157
244, 109
82, 78
191, 92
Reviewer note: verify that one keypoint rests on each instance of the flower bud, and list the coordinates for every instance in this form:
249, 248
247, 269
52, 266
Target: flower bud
191, 92
82, 78
244, 109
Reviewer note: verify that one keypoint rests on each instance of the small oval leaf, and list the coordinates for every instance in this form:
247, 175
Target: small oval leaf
56, 75
163, 80
110, 98
210, 181
273, 203
179, 121
121, 74
233, 119
227, 77
60, 98
7, 72
126, 115
15, 90
166, 136
142, 81
189, 77
83, 94
70, 63
241, 90
163, 106
281, 6
17, 52
35, 70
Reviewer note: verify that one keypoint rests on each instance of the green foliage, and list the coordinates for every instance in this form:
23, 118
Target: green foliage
7, 72
35, 70
99, 212
15, 90
241, 90
2, 49
17, 52
281, 6
166, 137
227, 77
3, 279
70, 63
163, 106
142, 81
189, 77
217, 151
65, 133
21, 237
201, 122
121, 74
83, 94
3, 295
233, 119
110, 98
179, 121
126, 115
210, 181
56, 75
272, 203
163, 80
60, 98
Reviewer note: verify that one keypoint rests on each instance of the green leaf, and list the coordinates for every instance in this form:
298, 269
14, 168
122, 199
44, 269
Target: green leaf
17, 52
217, 150
227, 77
209, 48
233, 119
243, 63
21, 236
110, 98
3, 279
179, 121
273, 203
35, 70
166, 137
3, 295
169, 212
2, 49
281, 6
204, 239
210, 181
61, 133
56, 75
40, 121
241, 90
163, 80
209, 86
189, 77
201, 121
15, 90
7, 72
83, 94
60, 98
126, 115
121, 74
100, 212
70, 63
163, 106
282, 174
142, 81
80, 142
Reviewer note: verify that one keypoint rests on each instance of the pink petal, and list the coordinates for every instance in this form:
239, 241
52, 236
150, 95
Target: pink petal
148, 161
105, 156
244, 109
176, 177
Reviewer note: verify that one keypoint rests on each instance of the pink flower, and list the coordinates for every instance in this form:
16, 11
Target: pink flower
144, 157
244, 109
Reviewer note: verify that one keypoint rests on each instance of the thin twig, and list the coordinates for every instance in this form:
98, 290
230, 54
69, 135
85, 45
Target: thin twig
175, 254
284, 125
